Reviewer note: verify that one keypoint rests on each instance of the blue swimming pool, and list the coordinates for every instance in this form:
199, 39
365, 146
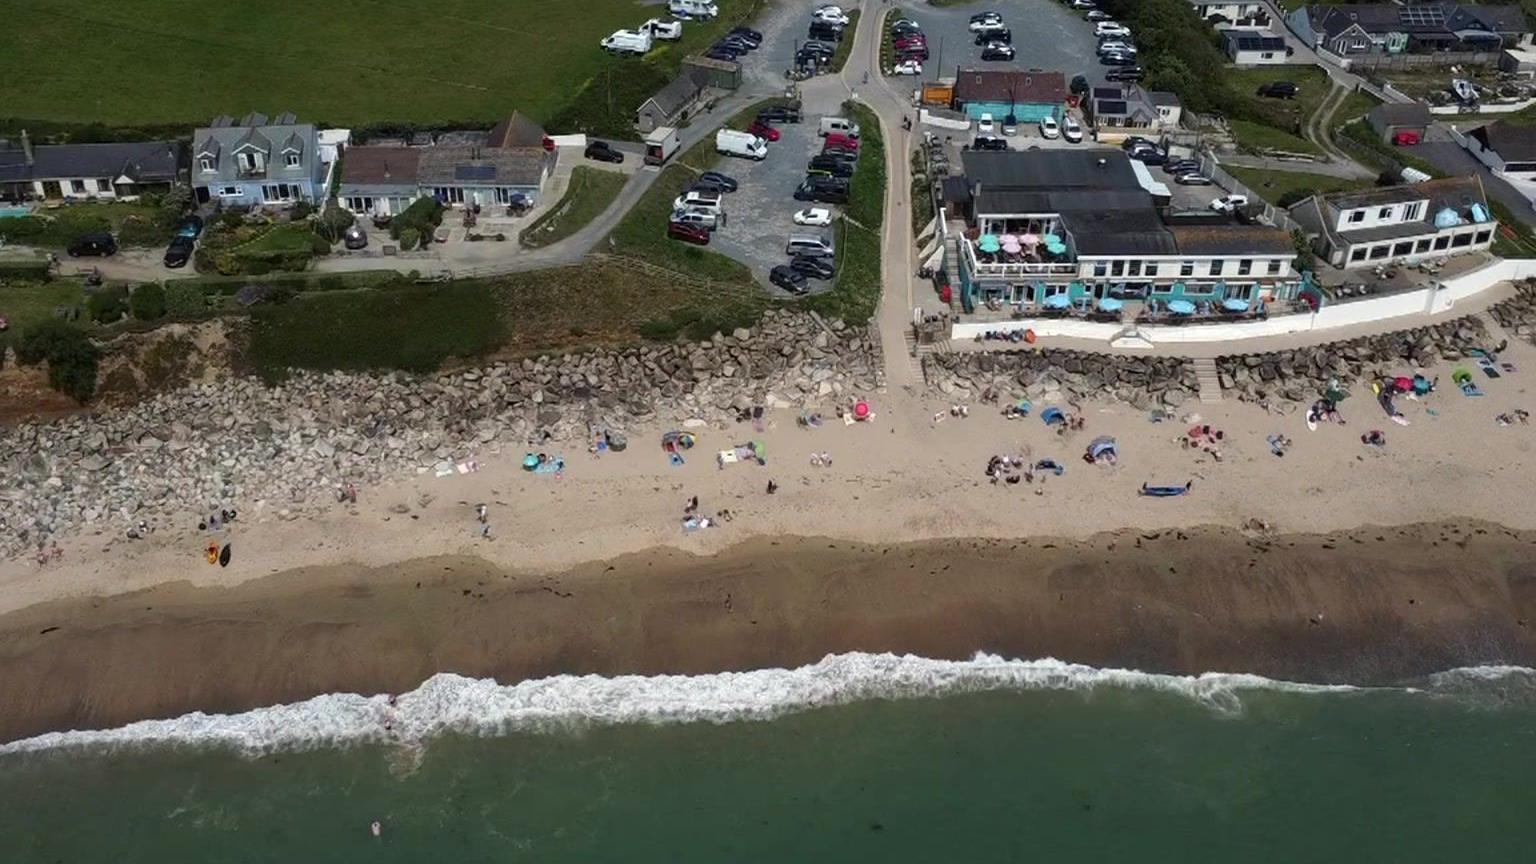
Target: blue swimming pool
6, 212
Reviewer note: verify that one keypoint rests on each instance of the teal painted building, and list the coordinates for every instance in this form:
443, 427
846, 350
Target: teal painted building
1028, 96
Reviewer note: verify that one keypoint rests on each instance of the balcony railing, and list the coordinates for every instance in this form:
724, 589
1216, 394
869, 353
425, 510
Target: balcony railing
1022, 271
251, 173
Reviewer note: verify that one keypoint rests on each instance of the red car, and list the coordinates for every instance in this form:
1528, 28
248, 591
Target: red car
1405, 139
837, 141
763, 131
696, 234
910, 42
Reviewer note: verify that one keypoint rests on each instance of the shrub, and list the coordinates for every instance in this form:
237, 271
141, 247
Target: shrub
108, 305
172, 206
319, 245
72, 358
140, 231
409, 239
184, 299
301, 210
148, 302
232, 218
36, 270
334, 221
421, 217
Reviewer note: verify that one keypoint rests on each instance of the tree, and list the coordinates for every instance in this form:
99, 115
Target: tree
107, 306
1305, 261
333, 222
148, 302
72, 358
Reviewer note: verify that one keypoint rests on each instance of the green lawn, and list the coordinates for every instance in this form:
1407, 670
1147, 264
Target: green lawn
1273, 185
856, 293
59, 226
590, 192
1355, 106
1257, 136
288, 237
1271, 125
26, 303
840, 56
346, 63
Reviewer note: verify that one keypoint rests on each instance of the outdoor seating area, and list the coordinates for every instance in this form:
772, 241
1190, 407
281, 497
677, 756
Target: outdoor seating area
1181, 311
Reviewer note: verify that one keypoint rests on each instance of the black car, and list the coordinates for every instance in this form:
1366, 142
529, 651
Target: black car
816, 268
780, 114
716, 180
1181, 166
819, 47
179, 252
995, 51
823, 190
1001, 37
986, 142
838, 154
602, 151
1125, 73
746, 33
1149, 155
97, 243
832, 165
826, 32
718, 53
1279, 90
736, 43
788, 278
907, 28
1131, 142
1115, 58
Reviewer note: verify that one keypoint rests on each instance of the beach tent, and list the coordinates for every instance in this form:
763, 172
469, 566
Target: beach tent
1052, 416
1101, 447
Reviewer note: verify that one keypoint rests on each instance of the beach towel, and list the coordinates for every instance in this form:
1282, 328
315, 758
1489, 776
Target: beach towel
550, 466
1165, 491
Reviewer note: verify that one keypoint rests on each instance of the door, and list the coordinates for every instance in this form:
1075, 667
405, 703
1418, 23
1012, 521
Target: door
51, 189
202, 194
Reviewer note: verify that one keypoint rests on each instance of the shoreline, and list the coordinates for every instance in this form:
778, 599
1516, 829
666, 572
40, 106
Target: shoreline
1369, 606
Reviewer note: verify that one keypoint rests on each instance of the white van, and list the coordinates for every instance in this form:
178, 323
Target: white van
693, 8
667, 29
628, 42
707, 219
731, 142
840, 125
698, 199
811, 245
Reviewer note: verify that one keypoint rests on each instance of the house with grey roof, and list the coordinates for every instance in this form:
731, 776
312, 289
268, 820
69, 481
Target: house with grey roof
1509, 151
1448, 216
1119, 110
255, 161
671, 103
1417, 28
81, 172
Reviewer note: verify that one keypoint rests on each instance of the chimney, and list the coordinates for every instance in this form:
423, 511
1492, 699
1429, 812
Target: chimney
26, 146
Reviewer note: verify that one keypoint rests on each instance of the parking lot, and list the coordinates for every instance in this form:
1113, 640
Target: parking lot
1046, 35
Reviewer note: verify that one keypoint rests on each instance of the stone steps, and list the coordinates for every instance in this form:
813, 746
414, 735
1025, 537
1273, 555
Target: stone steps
1210, 381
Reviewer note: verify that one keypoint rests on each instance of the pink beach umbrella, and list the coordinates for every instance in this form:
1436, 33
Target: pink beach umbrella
1030, 240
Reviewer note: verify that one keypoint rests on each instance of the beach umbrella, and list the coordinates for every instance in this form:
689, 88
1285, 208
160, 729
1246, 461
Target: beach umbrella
1235, 304
1057, 301
1011, 245
1110, 304
1008, 238
861, 410
1181, 307
988, 243
1030, 240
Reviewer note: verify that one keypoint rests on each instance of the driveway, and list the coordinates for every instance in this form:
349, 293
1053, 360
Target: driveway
1046, 35
1440, 151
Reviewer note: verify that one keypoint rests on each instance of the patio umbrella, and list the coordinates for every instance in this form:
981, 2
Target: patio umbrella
1011, 245
1235, 304
1181, 307
1008, 238
1057, 301
988, 243
1030, 240
1110, 304
1051, 240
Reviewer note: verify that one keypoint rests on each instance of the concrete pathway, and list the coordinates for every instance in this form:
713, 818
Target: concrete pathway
1344, 171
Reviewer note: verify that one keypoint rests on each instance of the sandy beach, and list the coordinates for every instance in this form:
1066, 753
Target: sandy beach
903, 478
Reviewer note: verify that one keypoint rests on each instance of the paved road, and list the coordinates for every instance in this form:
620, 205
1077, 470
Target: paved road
1444, 153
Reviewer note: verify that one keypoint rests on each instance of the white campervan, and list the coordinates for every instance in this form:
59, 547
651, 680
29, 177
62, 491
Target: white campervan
744, 144
693, 8
628, 42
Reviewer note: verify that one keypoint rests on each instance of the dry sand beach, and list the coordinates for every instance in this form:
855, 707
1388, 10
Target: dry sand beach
591, 570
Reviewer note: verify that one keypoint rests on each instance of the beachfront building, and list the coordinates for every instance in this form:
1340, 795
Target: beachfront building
1119, 110
1066, 228
1027, 96
1415, 221
253, 161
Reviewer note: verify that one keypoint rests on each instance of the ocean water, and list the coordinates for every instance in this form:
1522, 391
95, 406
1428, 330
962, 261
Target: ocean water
858, 758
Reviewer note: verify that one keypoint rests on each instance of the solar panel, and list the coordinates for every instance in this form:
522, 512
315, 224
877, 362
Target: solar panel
1421, 16
474, 172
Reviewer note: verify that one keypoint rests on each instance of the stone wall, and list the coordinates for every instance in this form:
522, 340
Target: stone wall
1301, 374
1517, 315
239, 443
1056, 374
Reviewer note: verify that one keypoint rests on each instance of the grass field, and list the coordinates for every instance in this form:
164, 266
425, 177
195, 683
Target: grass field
1281, 116
351, 62
57, 228
1274, 185
1257, 136
590, 192
856, 293
26, 303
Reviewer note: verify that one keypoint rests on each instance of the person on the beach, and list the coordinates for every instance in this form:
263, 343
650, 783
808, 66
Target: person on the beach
772, 487
480, 513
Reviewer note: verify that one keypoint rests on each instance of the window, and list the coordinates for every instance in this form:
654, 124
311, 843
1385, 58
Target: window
1442, 242
230, 192
1356, 216
1151, 269
1422, 245
205, 164
1216, 266
280, 192
1187, 268
103, 185
1117, 268
1380, 251
1357, 253
449, 194
293, 160
1100, 268
1413, 211
1482, 236
1461, 240
360, 204
1244, 267
1404, 248
1274, 268
1384, 213
1133, 268
77, 187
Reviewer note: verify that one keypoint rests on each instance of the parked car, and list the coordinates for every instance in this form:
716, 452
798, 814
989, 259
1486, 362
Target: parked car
1117, 59
983, 142
905, 27
180, 251
779, 114
718, 53
747, 33
688, 233
700, 198
846, 157
1097, 15
817, 216
1181, 166
1279, 90
1048, 127
191, 225
698, 218
824, 190
985, 125
98, 243
831, 14
354, 237
1125, 73
1083, 4
997, 51
918, 54
1192, 178
788, 278
907, 67
816, 268
825, 32
763, 131
1229, 203
841, 141
1071, 130
1110, 28
1001, 35
831, 165
1150, 155
914, 41
1010, 125
602, 151
1116, 46
1131, 142
985, 21
716, 180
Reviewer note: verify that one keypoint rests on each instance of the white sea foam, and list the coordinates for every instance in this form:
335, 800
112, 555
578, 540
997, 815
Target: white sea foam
453, 703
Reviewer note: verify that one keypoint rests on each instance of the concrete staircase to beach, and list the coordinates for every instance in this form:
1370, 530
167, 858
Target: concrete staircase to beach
1210, 381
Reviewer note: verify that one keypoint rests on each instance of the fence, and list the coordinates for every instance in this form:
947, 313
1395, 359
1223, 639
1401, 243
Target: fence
1414, 62
1270, 213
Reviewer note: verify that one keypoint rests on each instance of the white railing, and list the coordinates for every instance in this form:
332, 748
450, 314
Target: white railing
1016, 271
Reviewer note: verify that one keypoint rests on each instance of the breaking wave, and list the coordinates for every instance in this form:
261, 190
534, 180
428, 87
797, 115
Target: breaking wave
448, 703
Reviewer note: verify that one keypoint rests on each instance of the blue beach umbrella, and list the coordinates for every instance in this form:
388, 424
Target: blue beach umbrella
1110, 304
1181, 307
1057, 301
988, 243
1235, 304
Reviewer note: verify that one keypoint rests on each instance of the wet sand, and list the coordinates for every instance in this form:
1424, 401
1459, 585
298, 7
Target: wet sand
1365, 606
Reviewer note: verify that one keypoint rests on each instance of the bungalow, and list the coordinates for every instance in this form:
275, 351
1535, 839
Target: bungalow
1117, 111
1509, 151
1088, 228
1247, 48
1242, 13
470, 168
671, 103
1029, 96
1380, 226
77, 172
1420, 28
252, 162
1407, 119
